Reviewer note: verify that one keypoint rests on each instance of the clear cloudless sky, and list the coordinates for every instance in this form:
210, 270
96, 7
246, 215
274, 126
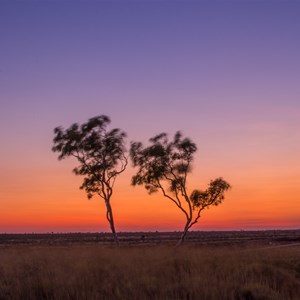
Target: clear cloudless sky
225, 73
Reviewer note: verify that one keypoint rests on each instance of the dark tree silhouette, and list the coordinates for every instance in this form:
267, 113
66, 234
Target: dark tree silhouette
101, 157
164, 166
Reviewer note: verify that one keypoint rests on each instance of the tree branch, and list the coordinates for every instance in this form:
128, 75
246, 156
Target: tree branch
210, 202
173, 200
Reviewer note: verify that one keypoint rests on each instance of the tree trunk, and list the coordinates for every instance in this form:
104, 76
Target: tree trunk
182, 238
111, 222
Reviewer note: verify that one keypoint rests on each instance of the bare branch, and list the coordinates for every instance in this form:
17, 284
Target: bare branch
178, 204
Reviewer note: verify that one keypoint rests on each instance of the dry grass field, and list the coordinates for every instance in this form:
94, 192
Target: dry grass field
146, 271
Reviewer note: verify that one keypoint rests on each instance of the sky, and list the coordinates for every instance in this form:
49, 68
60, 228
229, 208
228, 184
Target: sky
225, 73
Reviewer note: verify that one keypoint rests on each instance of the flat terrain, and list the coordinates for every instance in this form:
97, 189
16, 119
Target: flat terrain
217, 238
211, 265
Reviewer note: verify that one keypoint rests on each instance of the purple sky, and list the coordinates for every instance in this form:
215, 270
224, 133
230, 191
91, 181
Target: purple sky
226, 73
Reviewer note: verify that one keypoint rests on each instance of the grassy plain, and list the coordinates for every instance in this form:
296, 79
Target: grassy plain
142, 271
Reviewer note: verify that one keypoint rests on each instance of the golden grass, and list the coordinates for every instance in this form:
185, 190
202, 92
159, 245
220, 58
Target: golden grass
190, 272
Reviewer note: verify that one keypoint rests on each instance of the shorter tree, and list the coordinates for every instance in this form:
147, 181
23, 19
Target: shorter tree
101, 157
164, 166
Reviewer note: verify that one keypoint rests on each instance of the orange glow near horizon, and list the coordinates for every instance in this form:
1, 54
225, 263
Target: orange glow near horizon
55, 204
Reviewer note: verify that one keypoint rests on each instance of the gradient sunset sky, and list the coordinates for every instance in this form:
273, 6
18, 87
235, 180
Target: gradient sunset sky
225, 73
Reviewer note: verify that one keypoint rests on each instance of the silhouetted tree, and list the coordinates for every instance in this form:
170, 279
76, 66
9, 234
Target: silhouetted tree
164, 166
101, 157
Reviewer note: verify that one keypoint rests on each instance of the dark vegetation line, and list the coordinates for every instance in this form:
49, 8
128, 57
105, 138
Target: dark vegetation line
269, 238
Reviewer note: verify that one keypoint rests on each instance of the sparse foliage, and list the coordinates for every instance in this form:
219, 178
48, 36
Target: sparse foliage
101, 157
164, 166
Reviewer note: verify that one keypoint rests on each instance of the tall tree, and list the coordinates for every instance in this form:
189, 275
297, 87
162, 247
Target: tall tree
164, 166
101, 156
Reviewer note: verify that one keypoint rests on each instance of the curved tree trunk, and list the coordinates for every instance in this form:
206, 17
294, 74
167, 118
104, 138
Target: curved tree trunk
111, 222
189, 217
182, 238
